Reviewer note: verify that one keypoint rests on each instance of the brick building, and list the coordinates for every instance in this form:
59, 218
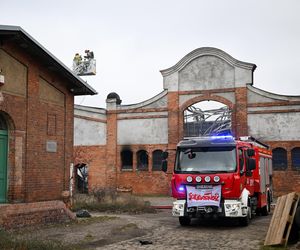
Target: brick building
36, 119
122, 144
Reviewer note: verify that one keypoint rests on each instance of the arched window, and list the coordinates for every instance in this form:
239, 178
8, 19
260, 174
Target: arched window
207, 118
126, 159
279, 159
296, 158
142, 160
157, 160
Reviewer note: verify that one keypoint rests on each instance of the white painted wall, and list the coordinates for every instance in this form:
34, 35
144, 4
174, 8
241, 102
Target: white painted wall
275, 127
88, 132
143, 131
206, 72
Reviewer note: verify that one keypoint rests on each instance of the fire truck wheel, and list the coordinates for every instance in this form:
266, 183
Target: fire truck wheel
184, 221
297, 217
245, 221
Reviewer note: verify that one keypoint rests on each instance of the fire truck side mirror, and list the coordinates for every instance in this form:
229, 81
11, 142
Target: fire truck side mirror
165, 155
164, 166
250, 152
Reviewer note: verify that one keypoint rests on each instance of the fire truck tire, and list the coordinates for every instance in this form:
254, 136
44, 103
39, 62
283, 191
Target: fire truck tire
245, 221
184, 220
297, 217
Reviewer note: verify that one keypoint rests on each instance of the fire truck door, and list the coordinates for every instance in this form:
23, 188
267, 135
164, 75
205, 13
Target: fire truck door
247, 178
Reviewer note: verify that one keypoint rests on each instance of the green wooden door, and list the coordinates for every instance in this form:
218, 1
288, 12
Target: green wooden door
3, 166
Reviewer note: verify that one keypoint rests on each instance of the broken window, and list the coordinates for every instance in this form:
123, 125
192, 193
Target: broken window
126, 159
142, 160
279, 159
157, 160
82, 178
207, 118
296, 158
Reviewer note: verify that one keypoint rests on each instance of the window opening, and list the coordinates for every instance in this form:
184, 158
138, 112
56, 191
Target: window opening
127, 159
142, 160
279, 159
157, 160
296, 158
82, 178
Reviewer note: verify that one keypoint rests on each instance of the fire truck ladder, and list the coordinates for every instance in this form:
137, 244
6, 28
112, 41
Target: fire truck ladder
254, 141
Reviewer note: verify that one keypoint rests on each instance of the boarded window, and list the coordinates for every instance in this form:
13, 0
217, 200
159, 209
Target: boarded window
126, 158
142, 160
279, 159
51, 124
296, 158
157, 160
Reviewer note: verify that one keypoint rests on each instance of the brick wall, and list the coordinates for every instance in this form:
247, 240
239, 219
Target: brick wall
143, 181
35, 174
286, 181
37, 213
95, 158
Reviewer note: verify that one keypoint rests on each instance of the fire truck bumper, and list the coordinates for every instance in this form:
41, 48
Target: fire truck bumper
230, 208
234, 208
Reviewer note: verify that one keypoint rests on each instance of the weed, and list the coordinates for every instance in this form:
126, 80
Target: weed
8, 241
108, 200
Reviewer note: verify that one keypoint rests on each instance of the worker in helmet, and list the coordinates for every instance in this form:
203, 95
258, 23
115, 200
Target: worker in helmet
77, 59
89, 54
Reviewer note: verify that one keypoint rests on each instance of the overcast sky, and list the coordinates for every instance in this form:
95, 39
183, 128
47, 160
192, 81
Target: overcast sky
133, 39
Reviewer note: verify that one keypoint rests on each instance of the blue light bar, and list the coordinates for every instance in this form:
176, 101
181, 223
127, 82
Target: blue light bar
222, 137
181, 188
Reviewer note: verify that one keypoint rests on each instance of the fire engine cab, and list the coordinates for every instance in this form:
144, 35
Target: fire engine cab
219, 176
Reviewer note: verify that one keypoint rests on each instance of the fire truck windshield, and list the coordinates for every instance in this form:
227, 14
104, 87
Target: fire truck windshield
206, 160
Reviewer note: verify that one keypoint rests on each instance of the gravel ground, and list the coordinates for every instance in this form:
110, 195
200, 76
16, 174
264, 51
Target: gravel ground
157, 231
166, 233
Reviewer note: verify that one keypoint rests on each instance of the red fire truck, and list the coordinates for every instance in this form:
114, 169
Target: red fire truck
219, 176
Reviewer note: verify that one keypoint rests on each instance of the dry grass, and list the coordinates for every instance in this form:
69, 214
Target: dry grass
10, 242
108, 200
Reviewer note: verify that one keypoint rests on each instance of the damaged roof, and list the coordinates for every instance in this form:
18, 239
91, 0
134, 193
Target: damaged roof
19, 36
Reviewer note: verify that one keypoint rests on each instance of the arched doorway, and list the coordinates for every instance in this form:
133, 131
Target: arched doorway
3, 158
207, 118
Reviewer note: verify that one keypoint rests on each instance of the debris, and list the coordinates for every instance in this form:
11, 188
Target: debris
145, 242
83, 214
282, 220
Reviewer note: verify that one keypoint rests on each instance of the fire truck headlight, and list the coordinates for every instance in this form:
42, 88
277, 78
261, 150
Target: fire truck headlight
232, 207
198, 178
207, 179
189, 179
178, 206
216, 178
235, 206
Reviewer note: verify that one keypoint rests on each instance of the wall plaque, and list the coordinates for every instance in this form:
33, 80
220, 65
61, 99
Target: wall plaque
51, 146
